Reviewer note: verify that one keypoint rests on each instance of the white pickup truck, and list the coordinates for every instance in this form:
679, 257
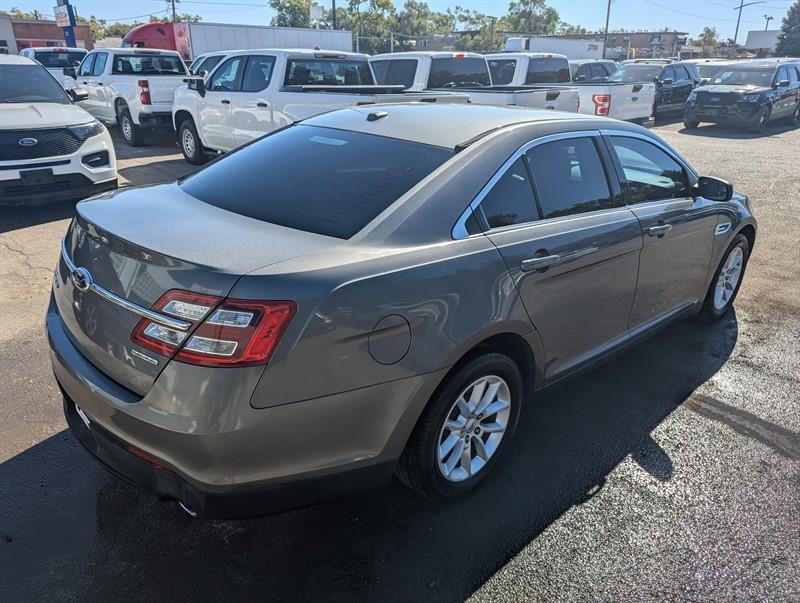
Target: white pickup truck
253, 92
134, 87
54, 59
466, 72
626, 101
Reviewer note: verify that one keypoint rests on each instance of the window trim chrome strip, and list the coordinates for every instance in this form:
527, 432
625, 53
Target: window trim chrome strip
172, 323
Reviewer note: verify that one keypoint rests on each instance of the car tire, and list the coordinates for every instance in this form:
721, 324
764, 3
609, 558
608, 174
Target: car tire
131, 133
794, 118
690, 124
436, 443
760, 121
727, 280
190, 144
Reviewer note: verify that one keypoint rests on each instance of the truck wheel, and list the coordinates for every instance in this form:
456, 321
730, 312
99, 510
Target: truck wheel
191, 147
133, 134
760, 122
690, 124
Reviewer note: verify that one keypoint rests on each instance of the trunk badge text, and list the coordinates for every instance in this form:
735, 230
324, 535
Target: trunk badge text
144, 357
81, 279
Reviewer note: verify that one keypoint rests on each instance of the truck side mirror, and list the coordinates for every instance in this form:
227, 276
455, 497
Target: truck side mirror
71, 72
714, 189
198, 85
77, 94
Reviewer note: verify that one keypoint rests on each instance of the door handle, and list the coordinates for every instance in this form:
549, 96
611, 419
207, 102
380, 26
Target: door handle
225, 101
99, 83
262, 104
658, 231
540, 262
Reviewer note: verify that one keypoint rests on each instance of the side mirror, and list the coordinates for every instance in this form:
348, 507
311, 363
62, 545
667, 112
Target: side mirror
198, 85
667, 81
77, 94
580, 78
714, 189
71, 72
704, 81
782, 84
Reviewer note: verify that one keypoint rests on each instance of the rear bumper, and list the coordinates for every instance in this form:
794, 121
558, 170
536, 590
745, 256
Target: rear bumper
233, 460
156, 119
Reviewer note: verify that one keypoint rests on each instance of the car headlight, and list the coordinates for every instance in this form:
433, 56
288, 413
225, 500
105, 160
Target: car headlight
692, 97
750, 98
84, 131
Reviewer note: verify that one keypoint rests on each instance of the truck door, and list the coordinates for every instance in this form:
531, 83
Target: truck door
216, 129
98, 93
86, 80
251, 110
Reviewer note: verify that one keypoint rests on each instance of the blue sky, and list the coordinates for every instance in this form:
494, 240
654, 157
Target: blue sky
684, 15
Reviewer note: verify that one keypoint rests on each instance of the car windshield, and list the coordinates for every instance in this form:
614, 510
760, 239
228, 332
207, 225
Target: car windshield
320, 180
459, 72
635, 73
32, 84
59, 59
328, 72
743, 77
155, 64
709, 69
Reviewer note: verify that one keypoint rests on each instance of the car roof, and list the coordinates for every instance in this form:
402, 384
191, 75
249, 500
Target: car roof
582, 61
523, 53
13, 59
442, 124
310, 52
57, 49
138, 51
416, 54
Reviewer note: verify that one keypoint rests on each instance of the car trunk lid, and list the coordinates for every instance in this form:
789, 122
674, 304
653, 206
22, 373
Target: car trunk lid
141, 243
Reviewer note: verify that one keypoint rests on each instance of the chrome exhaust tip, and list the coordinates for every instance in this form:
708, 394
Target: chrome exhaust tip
187, 509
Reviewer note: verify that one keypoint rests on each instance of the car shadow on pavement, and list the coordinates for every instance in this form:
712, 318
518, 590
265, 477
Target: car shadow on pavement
737, 133
69, 529
14, 217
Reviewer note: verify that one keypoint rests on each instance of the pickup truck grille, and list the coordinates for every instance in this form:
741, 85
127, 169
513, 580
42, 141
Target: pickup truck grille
710, 99
49, 143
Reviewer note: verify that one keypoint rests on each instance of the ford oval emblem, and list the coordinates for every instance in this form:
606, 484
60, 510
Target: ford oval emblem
81, 279
714, 99
27, 142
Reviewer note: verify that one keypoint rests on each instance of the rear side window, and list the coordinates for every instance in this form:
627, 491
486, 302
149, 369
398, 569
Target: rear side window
569, 177
510, 201
156, 64
320, 180
456, 72
100, 63
331, 72
547, 71
257, 73
226, 77
502, 71
650, 174
399, 72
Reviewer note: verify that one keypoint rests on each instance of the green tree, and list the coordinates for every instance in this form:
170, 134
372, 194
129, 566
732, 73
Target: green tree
789, 38
532, 16
565, 28
291, 13
16, 13
418, 20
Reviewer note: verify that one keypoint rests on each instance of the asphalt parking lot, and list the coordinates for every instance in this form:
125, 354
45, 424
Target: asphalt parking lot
670, 472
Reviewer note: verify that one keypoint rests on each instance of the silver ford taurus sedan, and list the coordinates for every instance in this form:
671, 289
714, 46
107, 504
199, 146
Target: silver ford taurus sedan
375, 290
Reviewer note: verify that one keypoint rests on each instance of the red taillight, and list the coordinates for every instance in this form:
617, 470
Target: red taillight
602, 104
223, 332
144, 92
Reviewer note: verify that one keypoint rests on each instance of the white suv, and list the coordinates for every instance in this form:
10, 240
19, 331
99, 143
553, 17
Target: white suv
50, 149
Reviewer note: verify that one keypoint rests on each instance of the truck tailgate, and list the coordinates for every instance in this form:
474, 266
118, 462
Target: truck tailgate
162, 87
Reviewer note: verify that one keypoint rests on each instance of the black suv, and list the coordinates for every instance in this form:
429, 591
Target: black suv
674, 81
750, 94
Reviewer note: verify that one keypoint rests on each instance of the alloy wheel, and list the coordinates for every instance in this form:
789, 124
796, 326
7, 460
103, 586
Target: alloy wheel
728, 278
127, 127
474, 428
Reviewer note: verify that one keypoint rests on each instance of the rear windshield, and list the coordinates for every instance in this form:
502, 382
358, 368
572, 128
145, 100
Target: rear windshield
457, 72
548, 71
59, 60
502, 71
148, 64
321, 180
398, 72
32, 84
327, 72
743, 77
636, 73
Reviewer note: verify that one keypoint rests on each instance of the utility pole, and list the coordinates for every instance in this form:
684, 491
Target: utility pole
334, 14
174, 14
768, 18
605, 35
732, 53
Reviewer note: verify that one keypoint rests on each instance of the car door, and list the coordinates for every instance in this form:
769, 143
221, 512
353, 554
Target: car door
86, 81
784, 95
794, 87
570, 245
250, 107
665, 85
678, 229
216, 128
682, 85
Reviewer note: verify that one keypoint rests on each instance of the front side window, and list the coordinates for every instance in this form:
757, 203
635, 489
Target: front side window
58, 59
398, 72
87, 65
208, 64
502, 71
569, 177
547, 71
258, 73
99, 63
319, 180
783, 74
225, 78
327, 72
32, 84
457, 72
155, 64
650, 174
510, 201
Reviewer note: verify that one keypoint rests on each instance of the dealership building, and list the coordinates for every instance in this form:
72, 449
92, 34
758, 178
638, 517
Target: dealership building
16, 34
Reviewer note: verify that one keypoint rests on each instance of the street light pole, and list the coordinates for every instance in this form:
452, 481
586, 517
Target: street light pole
732, 53
768, 18
605, 35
